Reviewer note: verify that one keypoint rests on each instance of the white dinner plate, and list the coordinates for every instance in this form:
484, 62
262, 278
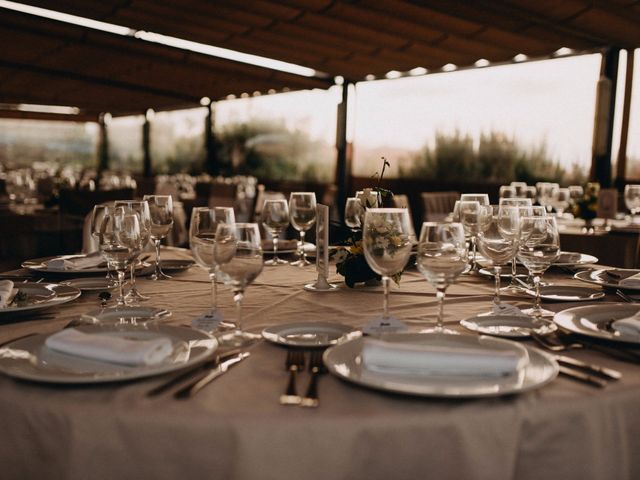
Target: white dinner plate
567, 293
309, 334
126, 314
573, 259
595, 320
509, 326
29, 359
41, 296
175, 265
91, 284
601, 277
41, 265
344, 361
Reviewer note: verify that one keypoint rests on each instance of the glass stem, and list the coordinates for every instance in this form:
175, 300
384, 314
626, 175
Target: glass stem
536, 282
303, 256
214, 291
275, 247
157, 245
473, 253
440, 292
237, 298
514, 270
496, 296
385, 303
121, 287
132, 274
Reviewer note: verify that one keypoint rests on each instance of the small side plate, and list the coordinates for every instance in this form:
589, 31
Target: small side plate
309, 334
509, 326
90, 284
559, 293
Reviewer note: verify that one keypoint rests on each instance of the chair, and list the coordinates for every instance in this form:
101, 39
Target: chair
437, 205
402, 201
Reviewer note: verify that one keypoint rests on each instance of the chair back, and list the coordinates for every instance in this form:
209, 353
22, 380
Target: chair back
437, 205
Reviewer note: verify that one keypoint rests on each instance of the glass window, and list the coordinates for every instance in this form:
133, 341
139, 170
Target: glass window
288, 136
24, 143
177, 141
518, 121
125, 144
633, 141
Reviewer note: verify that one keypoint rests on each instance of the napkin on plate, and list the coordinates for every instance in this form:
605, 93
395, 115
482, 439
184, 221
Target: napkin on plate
77, 263
440, 360
629, 326
631, 281
110, 348
6, 290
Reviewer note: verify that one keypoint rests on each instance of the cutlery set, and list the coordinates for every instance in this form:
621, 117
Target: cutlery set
295, 363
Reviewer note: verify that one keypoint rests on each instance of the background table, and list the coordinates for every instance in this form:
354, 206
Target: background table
236, 429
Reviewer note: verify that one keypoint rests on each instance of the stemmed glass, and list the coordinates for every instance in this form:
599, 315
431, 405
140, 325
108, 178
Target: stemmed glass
498, 241
202, 238
119, 241
470, 212
442, 257
275, 218
353, 212
100, 212
238, 258
521, 204
561, 200
161, 211
386, 245
508, 191
302, 211
632, 200
539, 247
141, 209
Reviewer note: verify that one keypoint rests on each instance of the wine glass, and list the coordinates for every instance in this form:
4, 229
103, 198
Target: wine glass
275, 218
508, 191
530, 192
100, 212
546, 192
539, 247
353, 212
498, 241
302, 211
202, 238
119, 239
516, 202
161, 211
481, 198
140, 208
470, 219
632, 200
386, 244
442, 257
561, 200
238, 259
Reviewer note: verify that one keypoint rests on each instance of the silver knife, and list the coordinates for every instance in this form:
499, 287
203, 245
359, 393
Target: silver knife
605, 371
193, 388
583, 377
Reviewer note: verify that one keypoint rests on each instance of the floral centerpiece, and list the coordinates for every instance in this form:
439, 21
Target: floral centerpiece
586, 207
350, 260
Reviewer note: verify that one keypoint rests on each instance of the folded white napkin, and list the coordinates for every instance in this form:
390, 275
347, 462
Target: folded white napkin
110, 348
629, 327
632, 281
77, 263
437, 360
6, 290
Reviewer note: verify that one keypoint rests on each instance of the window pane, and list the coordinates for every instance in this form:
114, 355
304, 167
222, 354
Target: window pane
177, 141
288, 136
633, 142
125, 144
25, 142
497, 123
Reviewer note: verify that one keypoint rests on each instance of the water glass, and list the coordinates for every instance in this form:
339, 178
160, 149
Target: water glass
386, 244
442, 257
99, 218
161, 211
353, 213
238, 259
632, 199
275, 218
302, 211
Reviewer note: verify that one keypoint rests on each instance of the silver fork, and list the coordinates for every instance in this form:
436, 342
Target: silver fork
554, 343
316, 367
294, 363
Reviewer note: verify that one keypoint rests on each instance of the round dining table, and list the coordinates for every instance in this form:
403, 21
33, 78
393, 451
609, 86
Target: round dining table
236, 428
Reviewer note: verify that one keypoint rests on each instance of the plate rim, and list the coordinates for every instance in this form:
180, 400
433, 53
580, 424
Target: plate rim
140, 374
277, 339
572, 264
58, 299
564, 320
596, 295
580, 275
548, 358
466, 320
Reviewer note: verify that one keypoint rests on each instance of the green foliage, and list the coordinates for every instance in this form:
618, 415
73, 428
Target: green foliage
497, 158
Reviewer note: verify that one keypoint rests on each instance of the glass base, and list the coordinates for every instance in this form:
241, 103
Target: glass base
237, 338
540, 312
303, 262
276, 261
133, 296
160, 276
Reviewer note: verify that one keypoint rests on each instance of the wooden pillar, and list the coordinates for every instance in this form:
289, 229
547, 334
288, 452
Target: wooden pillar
343, 164
211, 164
603, 124
146, 145
621, 166
103, 145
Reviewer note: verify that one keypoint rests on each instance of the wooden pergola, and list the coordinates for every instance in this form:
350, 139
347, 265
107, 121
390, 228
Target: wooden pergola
53, 62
